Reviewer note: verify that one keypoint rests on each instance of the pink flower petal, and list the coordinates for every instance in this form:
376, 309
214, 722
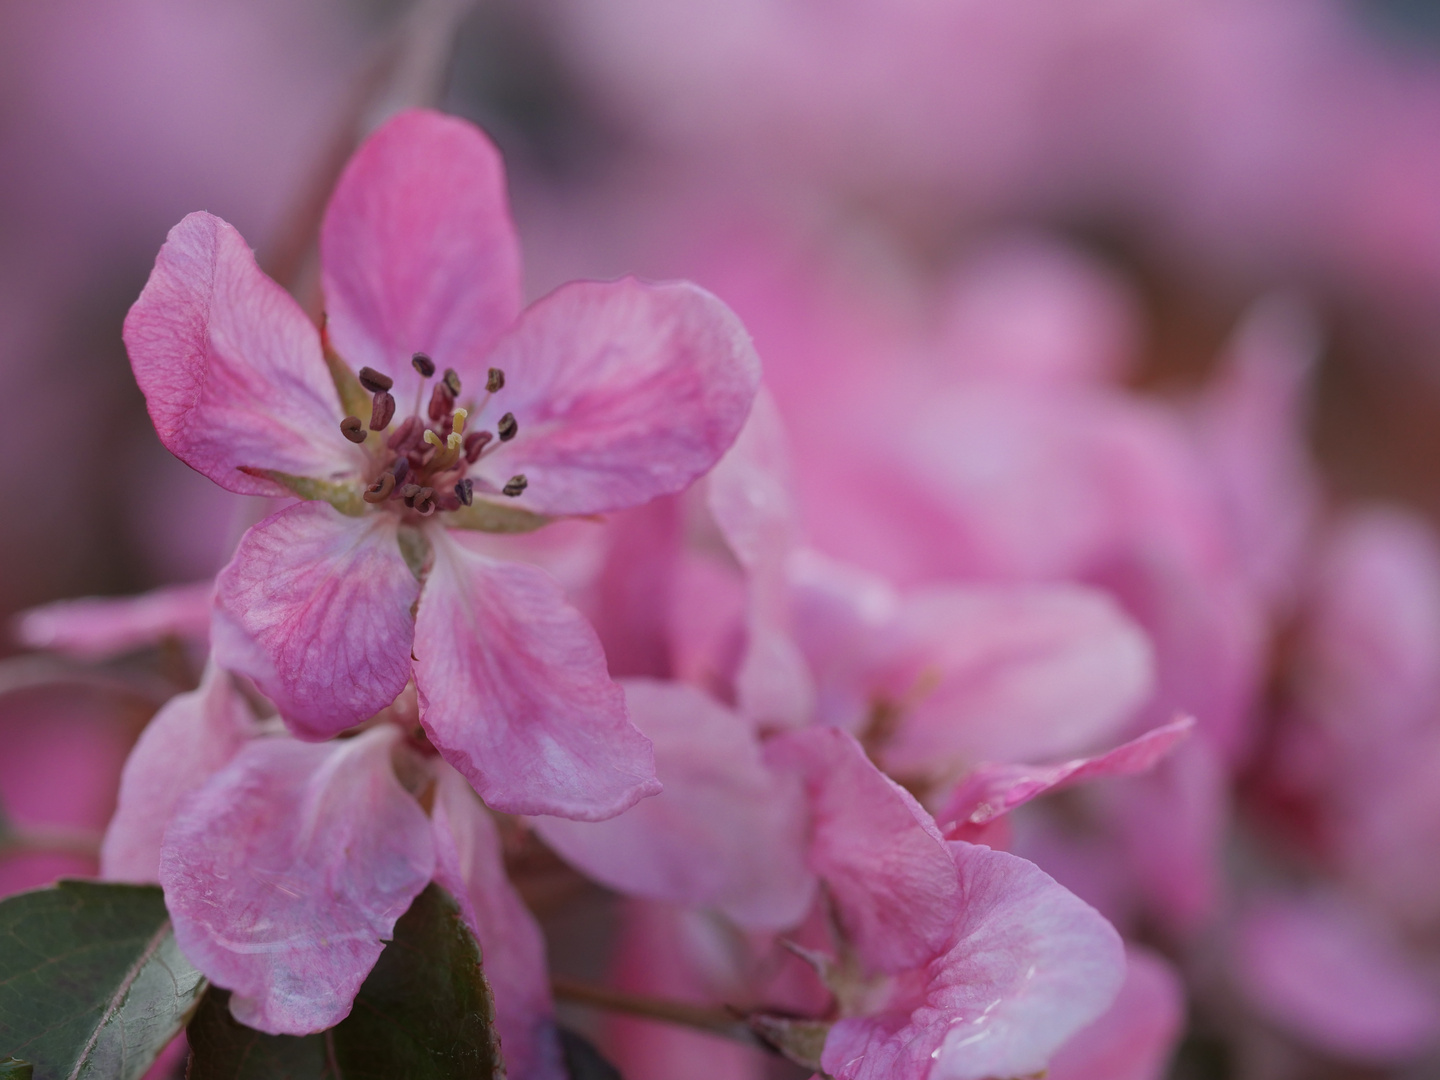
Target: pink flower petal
418, 251
752, 501
1010, 674
885, 865
993, 790
1136, 1038
191, 738
623, 391
1331, 975
230, 366
727, 832
1028, 966
315, 607
514, 692
97, 627
284, 875
469, 864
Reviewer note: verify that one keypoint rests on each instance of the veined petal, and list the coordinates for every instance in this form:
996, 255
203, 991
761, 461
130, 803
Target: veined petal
514, 692
993, 790
231, 368
1029, 965
284, 875
316, 608
622, 391
727, 832
418, 251
470, 866
192, 737
885, 864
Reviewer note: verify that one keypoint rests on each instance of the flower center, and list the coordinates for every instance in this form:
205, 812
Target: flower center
422, 461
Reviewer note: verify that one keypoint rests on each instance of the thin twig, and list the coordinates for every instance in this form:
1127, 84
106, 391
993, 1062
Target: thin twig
714, 1021
48, 840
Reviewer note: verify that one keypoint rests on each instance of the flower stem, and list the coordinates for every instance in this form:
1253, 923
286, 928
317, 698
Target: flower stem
48, 840
712, 1020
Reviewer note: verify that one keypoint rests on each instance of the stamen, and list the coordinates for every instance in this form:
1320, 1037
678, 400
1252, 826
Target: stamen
495, 380
457, 422
401, 469
353, 429
433, 439
515, 485
452, 382
508, 427
465, 491
424, 502
375, 381
406, 434
475, 444
408, 493
382, 412
423, 364
380, 490
441, 402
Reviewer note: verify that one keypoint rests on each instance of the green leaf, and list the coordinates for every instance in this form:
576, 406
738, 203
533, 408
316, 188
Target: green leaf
15, 1069
92, 983
425, 1013
222, 1048
583, 1061
484, 516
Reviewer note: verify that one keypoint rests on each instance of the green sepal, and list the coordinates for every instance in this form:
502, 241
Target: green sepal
484, 516
353, 397
92, 984
424, 1013
343, 497
14, 1069
414, 549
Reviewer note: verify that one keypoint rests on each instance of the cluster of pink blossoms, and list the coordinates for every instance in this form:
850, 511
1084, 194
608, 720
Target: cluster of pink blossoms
823, 769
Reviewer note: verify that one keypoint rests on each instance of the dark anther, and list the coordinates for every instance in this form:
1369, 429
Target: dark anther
380, 490
475, 444
401, 469
383, 411
375, 381
515, 485
442, 402
408, 493
353, 429
424, 503
408, 432
452, 382
507, 427
495, 380
447, 425
465, 491
423, 364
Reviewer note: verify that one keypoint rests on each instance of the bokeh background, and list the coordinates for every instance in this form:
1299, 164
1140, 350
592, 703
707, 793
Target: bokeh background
1116, 180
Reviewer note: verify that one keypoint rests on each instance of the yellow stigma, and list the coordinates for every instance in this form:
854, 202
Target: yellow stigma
459, 423
432, 438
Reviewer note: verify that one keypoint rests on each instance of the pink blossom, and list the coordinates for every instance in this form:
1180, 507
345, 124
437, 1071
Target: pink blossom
612, 394
1137, 1037
98, 627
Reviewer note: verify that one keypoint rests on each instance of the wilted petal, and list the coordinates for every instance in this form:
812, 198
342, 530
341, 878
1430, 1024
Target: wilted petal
992, 790
190, 739
623, 391
1029, 965
1137, 1036
727, 832
418, 251
284, 875
514, 692
1010, 674
96, 627
886, 867
1333, 977
230, 366
315, 607
470, 866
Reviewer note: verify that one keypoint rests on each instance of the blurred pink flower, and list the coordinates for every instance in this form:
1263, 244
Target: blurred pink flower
617, 393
